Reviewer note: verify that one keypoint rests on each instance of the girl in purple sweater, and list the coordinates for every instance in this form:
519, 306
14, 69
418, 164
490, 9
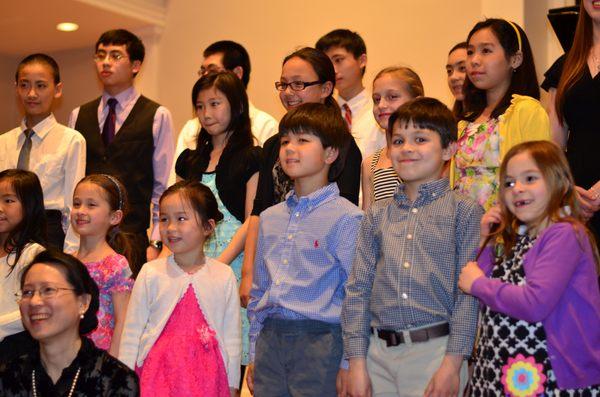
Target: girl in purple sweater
540, 325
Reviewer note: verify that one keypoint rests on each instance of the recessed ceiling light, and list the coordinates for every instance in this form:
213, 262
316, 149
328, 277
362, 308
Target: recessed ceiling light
67, 27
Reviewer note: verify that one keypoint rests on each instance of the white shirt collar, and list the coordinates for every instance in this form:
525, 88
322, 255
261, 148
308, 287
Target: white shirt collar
123, 98
42, 128
357, 102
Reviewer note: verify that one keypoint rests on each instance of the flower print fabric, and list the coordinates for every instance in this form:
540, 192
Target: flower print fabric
112, 275
477, 162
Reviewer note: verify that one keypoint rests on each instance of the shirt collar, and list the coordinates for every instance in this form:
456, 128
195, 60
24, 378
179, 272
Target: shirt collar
428, 192
42, 128
316, 198
356, 103
123, 97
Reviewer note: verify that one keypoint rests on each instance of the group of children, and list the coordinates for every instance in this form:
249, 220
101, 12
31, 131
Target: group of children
339, 302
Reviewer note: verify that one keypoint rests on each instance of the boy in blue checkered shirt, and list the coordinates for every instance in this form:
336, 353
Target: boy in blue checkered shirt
407, 327
304, 254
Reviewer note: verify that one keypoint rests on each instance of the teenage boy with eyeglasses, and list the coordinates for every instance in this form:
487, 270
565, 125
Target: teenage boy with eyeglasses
128, 136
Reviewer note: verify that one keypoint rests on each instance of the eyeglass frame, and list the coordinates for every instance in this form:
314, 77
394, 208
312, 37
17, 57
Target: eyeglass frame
19, 295
279, 84
112, 56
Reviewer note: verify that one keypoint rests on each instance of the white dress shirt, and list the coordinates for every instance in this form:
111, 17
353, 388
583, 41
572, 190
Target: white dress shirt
160, 286
10, 317
58, 159
263, 127
366, 132
162, 133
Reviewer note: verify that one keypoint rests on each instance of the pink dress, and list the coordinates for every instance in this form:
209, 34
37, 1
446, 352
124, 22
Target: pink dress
112, 275
185, 360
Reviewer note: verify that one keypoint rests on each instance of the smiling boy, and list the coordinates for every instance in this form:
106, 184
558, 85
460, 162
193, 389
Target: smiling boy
407, 327
304, 252
128, 136
55, 153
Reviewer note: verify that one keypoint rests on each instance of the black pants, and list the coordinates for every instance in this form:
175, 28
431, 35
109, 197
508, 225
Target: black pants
56, 235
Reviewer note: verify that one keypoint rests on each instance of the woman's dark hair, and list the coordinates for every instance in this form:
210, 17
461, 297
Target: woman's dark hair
77, 276
323, 122
322, 66
200, 198
32, 228
524, 79
457, 108
576, 60
116, 196
239, 129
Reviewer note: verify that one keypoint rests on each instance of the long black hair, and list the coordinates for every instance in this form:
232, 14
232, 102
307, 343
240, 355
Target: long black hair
32, 228
523, 81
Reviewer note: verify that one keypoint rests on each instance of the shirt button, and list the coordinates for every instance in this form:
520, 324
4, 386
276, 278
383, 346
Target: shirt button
406, 265
409, 236
414, 210
433, 194
290, 236
277, 282
297, 214
404, 296
285, 261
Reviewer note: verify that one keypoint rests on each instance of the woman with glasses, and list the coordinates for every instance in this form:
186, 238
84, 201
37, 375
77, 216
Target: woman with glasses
58, 301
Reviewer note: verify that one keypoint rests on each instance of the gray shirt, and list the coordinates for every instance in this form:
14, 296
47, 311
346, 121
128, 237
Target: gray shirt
405, 273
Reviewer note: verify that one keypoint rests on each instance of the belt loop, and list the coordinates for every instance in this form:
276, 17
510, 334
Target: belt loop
407, 338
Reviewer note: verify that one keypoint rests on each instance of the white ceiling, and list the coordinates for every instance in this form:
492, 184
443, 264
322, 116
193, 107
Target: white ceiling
28, 26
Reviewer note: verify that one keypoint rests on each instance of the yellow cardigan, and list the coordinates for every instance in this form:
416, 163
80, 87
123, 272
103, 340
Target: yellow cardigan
524, 120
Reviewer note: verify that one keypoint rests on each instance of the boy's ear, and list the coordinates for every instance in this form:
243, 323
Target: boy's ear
449, 151
238, 71
362, 61
331, 154
136, 66
58, 90
116, 217
516, 60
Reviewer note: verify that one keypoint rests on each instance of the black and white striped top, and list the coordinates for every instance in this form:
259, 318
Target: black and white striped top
385, 180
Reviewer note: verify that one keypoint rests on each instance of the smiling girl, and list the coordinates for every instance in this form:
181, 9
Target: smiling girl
501, 107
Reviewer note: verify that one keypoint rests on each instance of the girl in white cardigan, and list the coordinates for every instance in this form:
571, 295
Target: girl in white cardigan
182, 331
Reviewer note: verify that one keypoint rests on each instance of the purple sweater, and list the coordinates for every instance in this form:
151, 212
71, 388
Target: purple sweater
561, 291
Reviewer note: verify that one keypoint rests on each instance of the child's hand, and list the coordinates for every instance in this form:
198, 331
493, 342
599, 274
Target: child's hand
358, 382
489, 220
250, 377
341, 382
446, 380
589, 201
468, 275
245, 287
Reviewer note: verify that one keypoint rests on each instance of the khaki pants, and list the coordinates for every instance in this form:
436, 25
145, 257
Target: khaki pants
406, 369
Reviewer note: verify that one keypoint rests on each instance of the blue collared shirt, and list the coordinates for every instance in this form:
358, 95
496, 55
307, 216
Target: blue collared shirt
303, 258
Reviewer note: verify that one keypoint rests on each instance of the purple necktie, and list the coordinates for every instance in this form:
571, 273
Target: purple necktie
108, 131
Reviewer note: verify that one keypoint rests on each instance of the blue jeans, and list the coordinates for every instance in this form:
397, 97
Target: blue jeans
297, 358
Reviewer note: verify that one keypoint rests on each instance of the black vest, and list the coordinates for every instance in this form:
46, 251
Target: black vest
128, 157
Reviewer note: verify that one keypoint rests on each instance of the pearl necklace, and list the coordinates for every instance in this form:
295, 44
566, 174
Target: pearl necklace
70, 391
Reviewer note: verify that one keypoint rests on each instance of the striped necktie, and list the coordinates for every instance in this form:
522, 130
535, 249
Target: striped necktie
347, 115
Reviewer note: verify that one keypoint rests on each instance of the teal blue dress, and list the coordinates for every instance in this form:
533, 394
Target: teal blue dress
219, 240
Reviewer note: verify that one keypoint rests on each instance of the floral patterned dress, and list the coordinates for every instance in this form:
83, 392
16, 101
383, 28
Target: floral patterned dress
512, 355
478, 162
112, 275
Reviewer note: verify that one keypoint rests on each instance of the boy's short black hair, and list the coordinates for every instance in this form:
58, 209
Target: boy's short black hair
427, 113
234, 55
347, 39
43, 59
324, 122
133, 44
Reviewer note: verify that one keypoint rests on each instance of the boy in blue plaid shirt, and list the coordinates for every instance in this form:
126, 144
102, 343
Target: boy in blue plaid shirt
407, 328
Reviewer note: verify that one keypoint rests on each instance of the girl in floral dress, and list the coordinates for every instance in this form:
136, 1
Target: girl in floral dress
182, 333
99, 204
500, 107
540, 329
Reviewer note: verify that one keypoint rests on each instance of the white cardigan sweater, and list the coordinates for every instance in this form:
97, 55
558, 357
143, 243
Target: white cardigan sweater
158, 288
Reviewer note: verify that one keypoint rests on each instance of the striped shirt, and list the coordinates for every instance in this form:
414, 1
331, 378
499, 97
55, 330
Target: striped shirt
385, 180
405, 273
303, 258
